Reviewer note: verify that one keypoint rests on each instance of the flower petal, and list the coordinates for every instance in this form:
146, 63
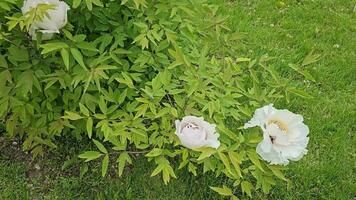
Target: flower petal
260, 116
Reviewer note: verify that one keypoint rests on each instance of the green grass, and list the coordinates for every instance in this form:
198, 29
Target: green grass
287, 32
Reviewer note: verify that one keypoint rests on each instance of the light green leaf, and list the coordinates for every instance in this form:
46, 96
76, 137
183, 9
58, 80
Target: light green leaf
225, 191
102, 105
206, 152
236, 161
72, 116
65, 57
76, 3
90, 155
49, 47
254, 159
276, 171
225, 160
246, 187
90, 127
155, 152
104, 165
123, 158
100, 146
78, 56
84, 110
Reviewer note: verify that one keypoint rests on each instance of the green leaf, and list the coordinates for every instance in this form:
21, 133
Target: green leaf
72, 116
246, 187
76, 3
236, 161
157, 170
90, 155
276, 171
123, 158
192, 168
84, 110
86, 46
78, 57
65, 57
49, 47
100, 146
254, 159
141, 110
102, 105
90, 127
154, 152
97, 2
104, 165
225, 160
206, 152
225, 191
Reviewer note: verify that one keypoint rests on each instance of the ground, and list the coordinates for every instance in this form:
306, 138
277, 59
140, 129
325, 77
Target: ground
286, 30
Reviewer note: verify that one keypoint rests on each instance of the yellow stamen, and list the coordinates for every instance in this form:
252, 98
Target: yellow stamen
280, 124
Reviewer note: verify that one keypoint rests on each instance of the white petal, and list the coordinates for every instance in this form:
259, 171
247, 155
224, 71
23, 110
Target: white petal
260, 116
194, 132
272, 156
298, 132
266, 144
214, 143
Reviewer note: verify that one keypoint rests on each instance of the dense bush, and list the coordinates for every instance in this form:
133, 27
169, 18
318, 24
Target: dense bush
121, 73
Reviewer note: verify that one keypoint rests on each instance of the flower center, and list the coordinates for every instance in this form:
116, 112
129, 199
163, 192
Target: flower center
192, 126
272, 138
280, 125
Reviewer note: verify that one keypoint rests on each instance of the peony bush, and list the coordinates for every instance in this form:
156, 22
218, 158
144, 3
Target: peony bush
160, 77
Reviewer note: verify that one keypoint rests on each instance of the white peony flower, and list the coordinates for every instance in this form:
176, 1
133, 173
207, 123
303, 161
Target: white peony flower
194, 132
285, 136
56, 19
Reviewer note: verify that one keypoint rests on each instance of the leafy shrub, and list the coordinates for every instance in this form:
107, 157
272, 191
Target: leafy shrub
121, 73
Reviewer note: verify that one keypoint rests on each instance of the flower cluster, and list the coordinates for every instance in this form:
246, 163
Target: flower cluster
285, 136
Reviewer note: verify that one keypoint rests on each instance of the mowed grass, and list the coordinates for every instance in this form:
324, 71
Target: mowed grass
288, 31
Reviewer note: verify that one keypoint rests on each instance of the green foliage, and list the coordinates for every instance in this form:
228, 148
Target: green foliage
122, 72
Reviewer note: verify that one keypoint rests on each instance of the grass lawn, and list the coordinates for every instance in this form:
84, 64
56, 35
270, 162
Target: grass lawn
286, 30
